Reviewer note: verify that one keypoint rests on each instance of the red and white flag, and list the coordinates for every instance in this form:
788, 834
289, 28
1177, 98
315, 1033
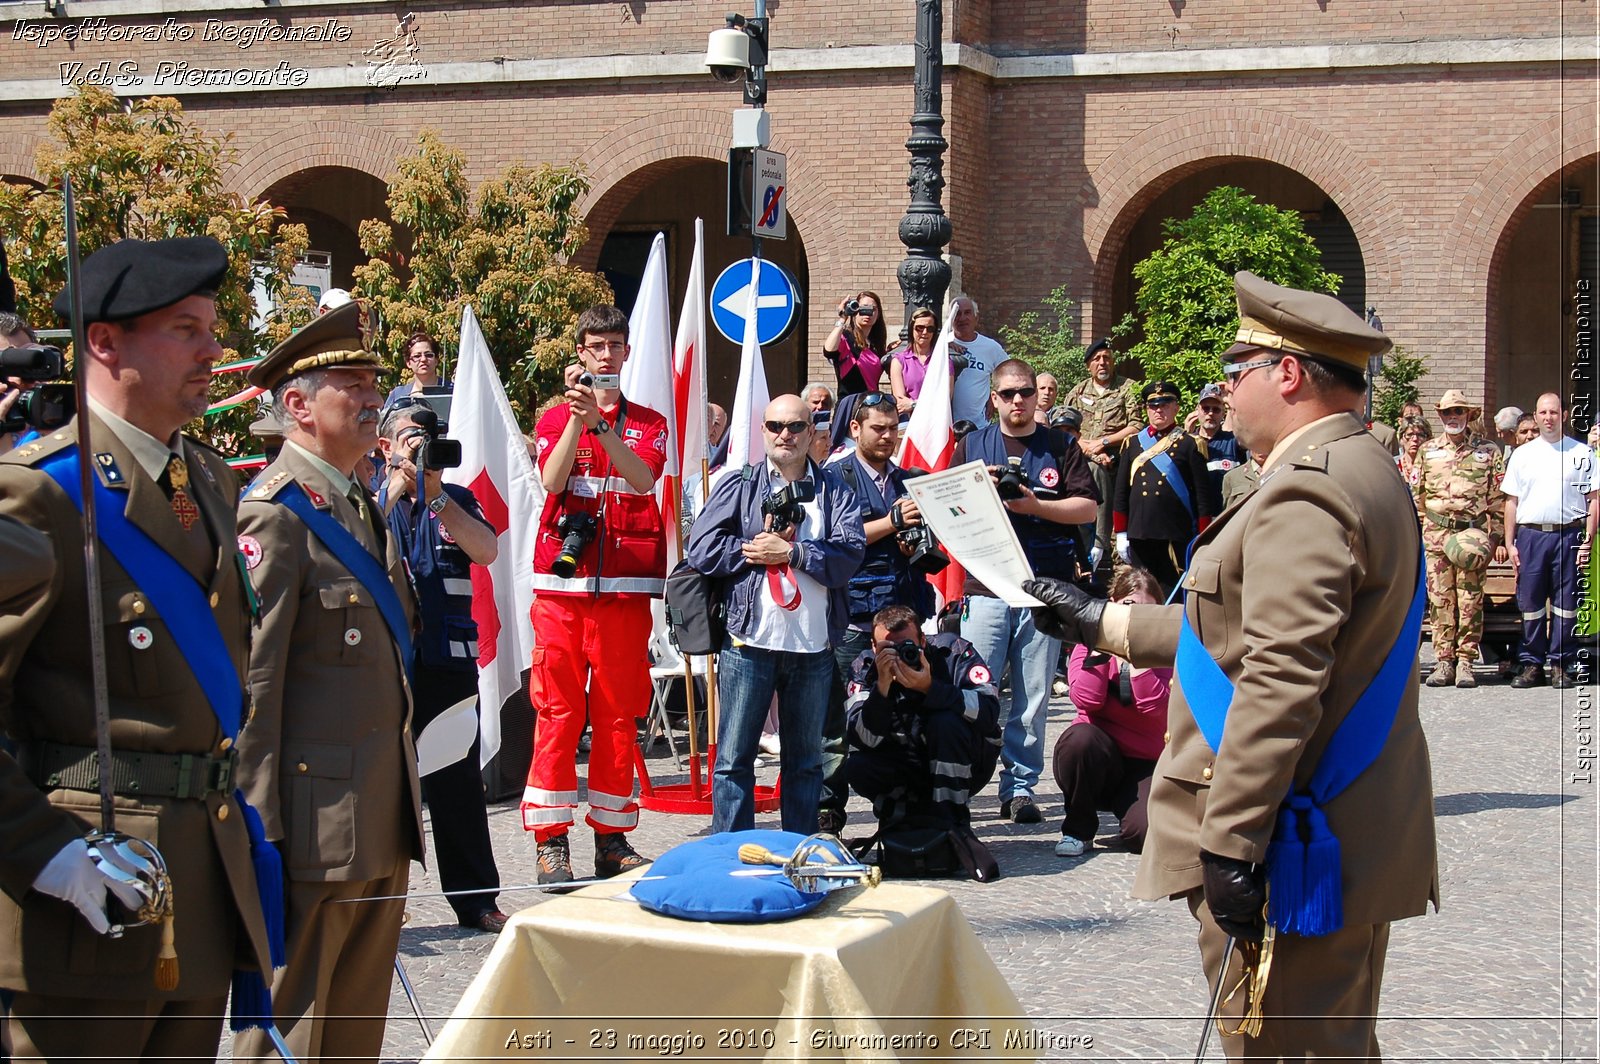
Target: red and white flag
689, 365
647, 378
930, 440
745, 443
495, 466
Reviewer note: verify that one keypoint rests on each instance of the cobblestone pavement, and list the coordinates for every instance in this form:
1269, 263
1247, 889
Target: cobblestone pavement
1506, 971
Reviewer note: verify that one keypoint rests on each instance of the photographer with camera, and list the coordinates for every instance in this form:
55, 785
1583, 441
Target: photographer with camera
440, 531
1045, 483
601, 555
28, 405
857, 343
901, 552
924, 722
785, 537
14, 333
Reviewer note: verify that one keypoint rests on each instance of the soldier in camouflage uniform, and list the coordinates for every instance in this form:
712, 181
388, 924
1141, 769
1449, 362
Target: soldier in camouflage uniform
1458, 488
1112, 411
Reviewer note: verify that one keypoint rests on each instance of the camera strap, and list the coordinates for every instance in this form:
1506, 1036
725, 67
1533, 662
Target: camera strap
777, 576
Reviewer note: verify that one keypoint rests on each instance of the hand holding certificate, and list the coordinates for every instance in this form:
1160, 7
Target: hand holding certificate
964, 510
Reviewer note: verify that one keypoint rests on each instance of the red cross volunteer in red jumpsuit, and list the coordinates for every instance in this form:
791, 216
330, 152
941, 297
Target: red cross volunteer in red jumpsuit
601, 555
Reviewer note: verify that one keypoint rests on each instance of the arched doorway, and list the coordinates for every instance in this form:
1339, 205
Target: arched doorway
667, 197
332, 202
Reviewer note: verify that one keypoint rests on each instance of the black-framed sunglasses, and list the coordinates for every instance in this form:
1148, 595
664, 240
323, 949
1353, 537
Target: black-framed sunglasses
794, 428
1008, 394
874, 399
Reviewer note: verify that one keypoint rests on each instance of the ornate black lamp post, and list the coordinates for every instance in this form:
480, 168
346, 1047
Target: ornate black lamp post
925, 229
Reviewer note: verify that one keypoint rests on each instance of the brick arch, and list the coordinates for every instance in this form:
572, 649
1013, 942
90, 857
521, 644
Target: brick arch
1130, 179
328, 142
18, 155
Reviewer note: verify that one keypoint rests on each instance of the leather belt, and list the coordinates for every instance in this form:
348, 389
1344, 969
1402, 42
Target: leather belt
135, 773
1568, 526
1454, 524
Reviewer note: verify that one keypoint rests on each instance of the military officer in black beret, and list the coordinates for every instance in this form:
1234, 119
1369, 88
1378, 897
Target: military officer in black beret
1164, 496
329, 759
167, 557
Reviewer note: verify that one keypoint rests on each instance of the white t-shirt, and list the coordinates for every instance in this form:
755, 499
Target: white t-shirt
971, 392
804, 629
1550, 481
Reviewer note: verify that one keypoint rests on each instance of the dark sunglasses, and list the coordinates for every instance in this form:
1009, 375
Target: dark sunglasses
794, 428
1159, 400
1454, 410
922, 328
1008, 394
867, 402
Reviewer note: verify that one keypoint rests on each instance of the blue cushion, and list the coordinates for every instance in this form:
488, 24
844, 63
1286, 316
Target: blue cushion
695, 881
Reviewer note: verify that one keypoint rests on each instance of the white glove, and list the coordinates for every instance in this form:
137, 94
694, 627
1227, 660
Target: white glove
73, 877
1123, 550
1095, 554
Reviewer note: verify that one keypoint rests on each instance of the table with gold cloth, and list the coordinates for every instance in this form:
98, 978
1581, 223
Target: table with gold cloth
889, 973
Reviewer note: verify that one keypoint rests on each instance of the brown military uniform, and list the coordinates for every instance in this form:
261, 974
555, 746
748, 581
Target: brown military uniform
330, 764
53, 959
1458, 487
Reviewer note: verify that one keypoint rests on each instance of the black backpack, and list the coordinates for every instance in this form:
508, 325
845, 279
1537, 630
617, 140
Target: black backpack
696, 610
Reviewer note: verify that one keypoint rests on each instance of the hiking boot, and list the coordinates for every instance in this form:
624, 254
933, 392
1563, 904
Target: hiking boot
1024, 810
1464, 678
613, 856
1559, 678
1530, 676
555, 860
1444, 675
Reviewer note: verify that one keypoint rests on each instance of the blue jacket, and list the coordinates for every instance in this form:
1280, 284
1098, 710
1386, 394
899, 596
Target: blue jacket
732, 517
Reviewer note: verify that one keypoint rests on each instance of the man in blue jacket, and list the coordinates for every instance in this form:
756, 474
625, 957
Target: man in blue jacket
786, 536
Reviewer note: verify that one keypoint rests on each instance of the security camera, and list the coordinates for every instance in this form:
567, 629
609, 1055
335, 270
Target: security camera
728, 53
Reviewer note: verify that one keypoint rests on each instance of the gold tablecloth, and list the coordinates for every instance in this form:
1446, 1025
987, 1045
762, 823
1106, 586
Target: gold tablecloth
888, 973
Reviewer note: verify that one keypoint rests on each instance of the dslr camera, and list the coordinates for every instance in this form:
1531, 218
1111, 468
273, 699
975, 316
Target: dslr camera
44, 406
1010, 481
784, 505
435, 452
909, 652
576, 530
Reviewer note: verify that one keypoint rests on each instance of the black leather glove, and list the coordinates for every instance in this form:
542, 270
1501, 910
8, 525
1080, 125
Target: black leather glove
1069, 613
1236, 895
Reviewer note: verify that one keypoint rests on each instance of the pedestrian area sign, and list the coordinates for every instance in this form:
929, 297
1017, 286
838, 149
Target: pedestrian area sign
769, 195
777, 303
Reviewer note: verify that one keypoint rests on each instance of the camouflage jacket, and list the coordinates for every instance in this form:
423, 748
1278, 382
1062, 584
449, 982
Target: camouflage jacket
1108, 411
1459, 482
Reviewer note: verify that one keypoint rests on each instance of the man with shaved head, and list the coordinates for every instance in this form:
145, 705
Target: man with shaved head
785, 535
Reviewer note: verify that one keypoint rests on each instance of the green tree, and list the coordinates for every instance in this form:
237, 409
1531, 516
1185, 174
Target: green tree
1048, 340
1397, 384
505, 251
141, 168
1185, 298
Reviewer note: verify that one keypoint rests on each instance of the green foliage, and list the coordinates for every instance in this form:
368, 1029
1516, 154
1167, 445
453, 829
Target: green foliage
1185, 296
505, 251
1048, 341
1397, 384
141, 169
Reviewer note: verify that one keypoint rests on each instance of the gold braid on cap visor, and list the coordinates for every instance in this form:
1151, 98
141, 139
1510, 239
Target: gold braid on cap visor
1256, 334
331, 358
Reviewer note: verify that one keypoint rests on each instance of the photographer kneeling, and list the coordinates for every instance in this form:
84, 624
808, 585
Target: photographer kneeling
924, 723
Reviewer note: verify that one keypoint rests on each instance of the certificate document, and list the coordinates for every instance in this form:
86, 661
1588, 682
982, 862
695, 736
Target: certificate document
964, 510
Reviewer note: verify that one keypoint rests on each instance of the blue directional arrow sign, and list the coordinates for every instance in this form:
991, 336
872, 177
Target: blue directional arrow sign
777, 304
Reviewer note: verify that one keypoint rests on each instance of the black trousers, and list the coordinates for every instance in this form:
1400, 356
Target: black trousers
835, 788
1094, 775
461, 849
1163, 558
935, 778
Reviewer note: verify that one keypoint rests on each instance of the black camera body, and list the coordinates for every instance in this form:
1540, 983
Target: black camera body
852, 307
909, 652
784, 505
922, 547
45, 406
1010, 481
435, 452
576, 529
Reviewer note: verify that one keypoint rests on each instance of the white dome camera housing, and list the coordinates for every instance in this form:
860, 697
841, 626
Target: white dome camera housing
728, 54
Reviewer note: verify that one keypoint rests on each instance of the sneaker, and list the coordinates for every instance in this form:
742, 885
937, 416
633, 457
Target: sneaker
1530, 676
1024, 810
831, 821
1071, 846
1059, 688
555, 860
614, 856
1444, 675
1559, 678
1464, 678
768, 745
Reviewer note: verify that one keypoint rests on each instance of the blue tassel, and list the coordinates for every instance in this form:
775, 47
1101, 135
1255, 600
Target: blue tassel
1286, 856
1323, 909
252, 1002
252, 996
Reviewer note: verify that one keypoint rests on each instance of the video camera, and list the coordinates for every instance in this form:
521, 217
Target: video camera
784, 505
576, 530
435, 452
44, 406
918, 540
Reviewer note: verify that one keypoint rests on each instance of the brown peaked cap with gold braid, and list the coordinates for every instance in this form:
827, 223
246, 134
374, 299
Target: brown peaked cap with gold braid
1296, 322
341, 337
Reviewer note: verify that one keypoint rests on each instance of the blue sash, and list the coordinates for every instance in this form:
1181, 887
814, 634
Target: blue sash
179, 599
1167, 468
353, 556
181, 603
1303, 867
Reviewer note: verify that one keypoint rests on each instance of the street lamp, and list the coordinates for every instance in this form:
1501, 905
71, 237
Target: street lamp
925, 229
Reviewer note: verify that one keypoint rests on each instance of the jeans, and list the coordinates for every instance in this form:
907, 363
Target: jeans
1005, 636
747, 677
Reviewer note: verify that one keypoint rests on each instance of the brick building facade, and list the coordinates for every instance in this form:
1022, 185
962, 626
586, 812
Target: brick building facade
1454, 143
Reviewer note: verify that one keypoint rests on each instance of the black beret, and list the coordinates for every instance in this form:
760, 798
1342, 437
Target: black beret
134, 277
1096, 347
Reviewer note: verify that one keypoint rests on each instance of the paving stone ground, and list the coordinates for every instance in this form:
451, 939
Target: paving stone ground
1506, 971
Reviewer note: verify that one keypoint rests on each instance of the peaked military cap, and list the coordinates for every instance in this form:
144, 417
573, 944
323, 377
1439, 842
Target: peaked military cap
1301, 323
134, 277
341, 337
1159, 390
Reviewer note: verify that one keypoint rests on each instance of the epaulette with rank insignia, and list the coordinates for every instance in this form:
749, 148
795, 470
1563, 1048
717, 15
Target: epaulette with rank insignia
34, 451
1311, 457
266, 489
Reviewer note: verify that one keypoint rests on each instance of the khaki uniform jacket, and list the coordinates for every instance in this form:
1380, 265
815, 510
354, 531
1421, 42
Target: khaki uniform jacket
328, 759
1298, 592
156, 705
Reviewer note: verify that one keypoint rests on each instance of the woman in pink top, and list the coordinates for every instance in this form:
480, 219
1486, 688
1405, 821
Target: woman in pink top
909, 365
1105, 759
856, 344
